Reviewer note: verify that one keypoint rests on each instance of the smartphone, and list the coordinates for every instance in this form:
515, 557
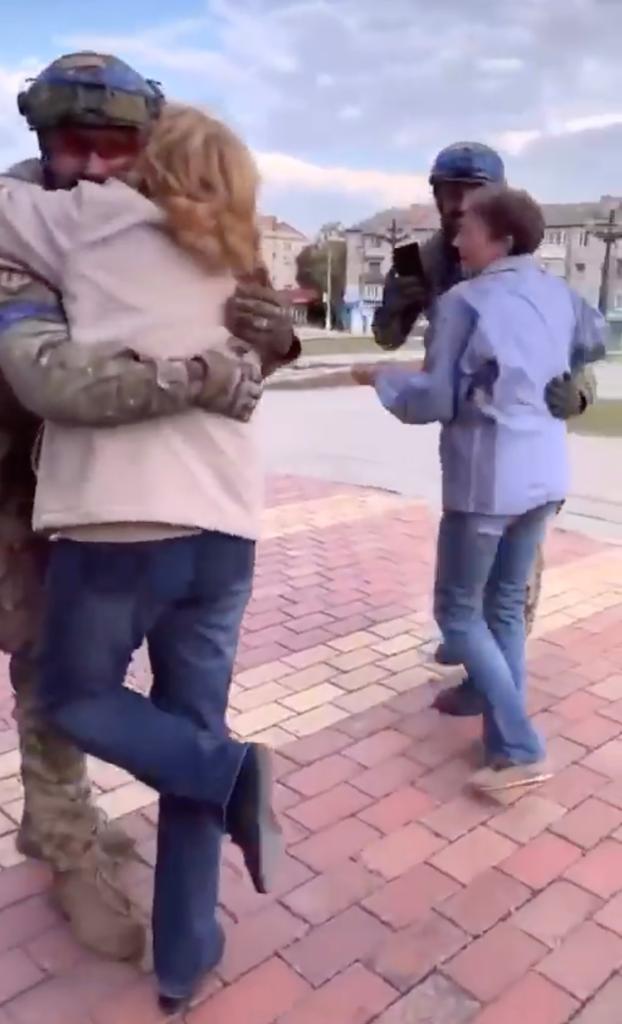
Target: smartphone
407, 260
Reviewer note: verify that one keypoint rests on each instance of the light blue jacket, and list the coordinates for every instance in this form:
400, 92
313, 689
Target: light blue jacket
495, 342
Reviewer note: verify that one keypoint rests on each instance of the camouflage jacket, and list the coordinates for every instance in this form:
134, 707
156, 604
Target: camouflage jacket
441, 267
44, 375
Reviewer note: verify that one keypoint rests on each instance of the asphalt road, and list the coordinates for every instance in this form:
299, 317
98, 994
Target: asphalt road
343, 434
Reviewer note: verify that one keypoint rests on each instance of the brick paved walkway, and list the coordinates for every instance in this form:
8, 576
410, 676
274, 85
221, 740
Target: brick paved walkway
403, 899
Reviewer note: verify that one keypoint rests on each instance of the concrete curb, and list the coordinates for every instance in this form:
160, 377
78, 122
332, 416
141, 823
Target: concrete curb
333, 371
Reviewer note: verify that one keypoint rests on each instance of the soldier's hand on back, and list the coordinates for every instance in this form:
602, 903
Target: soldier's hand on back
564, 397
256, 314
228, 383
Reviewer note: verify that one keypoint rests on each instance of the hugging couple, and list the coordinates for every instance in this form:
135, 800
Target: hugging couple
142, 216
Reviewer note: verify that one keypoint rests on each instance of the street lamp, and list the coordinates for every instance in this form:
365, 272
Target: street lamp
329, 286
609, 233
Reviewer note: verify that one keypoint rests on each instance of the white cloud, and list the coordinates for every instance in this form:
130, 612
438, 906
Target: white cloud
590, 122
499, 65
382, 186
316, 86
350, 112
160, 50
514, 142
16, 142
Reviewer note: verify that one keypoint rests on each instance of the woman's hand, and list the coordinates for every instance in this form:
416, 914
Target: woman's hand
365, 374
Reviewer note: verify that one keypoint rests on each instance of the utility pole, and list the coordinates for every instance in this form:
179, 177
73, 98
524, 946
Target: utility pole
329, 287
394, 235
609, 233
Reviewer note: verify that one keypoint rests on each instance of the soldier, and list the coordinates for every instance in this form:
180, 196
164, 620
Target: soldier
91, 114
458, 169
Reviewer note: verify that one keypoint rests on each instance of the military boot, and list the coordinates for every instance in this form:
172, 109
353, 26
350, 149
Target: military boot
99, 913
112, 840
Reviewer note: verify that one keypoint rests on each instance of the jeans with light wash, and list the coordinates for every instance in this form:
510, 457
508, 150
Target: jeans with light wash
186, 596
483, 567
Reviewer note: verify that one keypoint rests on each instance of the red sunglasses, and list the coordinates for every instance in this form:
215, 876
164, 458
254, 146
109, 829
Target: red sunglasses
107, 143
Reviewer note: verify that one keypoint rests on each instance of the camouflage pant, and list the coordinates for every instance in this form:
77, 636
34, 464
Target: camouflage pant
58, 808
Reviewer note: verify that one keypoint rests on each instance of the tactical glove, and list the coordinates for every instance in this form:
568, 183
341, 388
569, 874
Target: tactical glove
565, 397
403, 301
227, 383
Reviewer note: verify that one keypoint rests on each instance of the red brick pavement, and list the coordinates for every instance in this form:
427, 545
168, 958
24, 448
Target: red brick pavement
403, 899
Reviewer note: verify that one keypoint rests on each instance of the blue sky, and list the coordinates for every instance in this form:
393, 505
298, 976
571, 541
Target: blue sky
345, 102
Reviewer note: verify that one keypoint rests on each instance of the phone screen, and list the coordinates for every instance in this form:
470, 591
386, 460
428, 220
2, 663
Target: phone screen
407, 260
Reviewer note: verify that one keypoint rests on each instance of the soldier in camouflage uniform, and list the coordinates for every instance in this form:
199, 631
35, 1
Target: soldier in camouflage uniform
90, 113
456, 170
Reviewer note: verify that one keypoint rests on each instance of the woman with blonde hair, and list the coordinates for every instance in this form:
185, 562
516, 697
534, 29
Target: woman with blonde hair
155, 523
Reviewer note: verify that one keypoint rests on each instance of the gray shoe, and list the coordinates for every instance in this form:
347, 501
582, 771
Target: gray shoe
502, 776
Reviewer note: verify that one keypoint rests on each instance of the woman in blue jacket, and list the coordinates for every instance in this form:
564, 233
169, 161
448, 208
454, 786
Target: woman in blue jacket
496, 340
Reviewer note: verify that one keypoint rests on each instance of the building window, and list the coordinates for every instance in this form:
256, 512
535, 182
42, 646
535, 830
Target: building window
556, 236
580, 268
375, 266
619, 267
584, 238
617, 300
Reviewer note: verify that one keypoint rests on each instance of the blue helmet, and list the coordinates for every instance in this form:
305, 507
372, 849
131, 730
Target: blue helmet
91, 89
468, 162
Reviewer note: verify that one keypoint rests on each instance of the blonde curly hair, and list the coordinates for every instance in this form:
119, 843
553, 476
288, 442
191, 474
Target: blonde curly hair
206, 182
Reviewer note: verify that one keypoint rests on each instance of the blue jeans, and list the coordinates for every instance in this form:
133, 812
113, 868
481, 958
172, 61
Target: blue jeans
483, 567
186, 596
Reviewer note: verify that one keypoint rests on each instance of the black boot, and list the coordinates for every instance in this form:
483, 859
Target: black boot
462, 701
251, 821
172, 1005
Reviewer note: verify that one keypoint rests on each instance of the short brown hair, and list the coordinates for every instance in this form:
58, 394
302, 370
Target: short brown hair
509, 213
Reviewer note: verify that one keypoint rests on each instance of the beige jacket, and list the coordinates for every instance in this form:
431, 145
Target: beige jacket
104, 248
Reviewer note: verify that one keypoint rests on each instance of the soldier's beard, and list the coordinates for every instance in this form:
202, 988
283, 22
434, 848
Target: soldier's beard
450, 225
53, 181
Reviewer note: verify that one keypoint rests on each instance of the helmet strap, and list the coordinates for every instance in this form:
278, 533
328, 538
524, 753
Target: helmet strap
44, 159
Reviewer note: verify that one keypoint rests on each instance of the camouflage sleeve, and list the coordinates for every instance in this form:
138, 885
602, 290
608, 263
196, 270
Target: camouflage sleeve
98, 386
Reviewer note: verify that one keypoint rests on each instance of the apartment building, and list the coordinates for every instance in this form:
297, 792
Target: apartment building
369, 254
570, 249
280, 246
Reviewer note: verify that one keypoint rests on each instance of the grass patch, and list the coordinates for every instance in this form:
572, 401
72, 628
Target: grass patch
604, 419
338, 345
345, 344
339, 378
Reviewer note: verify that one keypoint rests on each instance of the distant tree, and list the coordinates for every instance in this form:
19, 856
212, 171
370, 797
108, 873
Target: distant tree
333, 229
313, 271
